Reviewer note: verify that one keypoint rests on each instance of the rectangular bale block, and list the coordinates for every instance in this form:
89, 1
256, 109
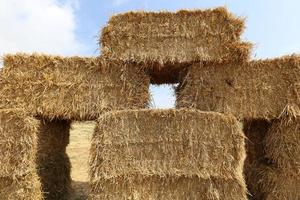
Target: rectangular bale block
282, 142
18, 142
18, 149
26, 187
256, 89
273, 183
71, 87
170, 188
174, 37
137, 147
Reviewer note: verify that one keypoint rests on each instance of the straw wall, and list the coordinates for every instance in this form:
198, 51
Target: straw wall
53, 163
71, 87
258, 89
18, 145
167, 154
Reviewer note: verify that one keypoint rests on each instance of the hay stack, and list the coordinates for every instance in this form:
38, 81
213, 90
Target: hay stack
71, 87
167, 154
53, 163
18, 146
164, 39
258, 89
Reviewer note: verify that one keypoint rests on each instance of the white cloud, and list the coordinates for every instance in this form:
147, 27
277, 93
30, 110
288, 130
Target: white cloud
38, 26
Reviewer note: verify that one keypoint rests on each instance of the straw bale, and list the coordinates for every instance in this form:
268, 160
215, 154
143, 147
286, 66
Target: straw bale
256, 89
26, 187
273, 183
162, 188
179, 37
278, 184
18, 143
18, 146
71, 87
283, 140
165, 144
53, 163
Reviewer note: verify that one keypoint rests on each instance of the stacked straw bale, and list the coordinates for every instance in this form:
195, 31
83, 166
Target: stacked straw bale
167, 154
283, 140
71, 87
53, 163
272, 168
18, 146
256, 89
174, 40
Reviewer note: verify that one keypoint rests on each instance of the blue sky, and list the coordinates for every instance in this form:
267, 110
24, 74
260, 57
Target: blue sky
71, 27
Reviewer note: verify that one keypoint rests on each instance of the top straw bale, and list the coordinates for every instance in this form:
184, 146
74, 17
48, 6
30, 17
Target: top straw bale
71, 87
180, 37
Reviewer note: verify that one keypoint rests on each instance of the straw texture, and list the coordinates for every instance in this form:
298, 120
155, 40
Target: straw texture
26, 187
271, 168
283, 140
71, 87
273, 183
256, 89
148, 150
18, 146
279, 184
255, 131
180, 37
53, 163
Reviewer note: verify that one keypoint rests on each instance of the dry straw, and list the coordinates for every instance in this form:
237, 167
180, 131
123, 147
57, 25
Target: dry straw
255, 131
18, 145
71, 87
167, 42
271, 168
256, 89
279, 184
53, 163
283, 140
166, 154
26, 187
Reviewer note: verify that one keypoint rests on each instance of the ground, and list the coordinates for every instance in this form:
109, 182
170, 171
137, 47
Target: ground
78, 151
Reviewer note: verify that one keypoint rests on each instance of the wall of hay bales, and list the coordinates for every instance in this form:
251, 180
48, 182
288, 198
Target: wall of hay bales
155, 154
